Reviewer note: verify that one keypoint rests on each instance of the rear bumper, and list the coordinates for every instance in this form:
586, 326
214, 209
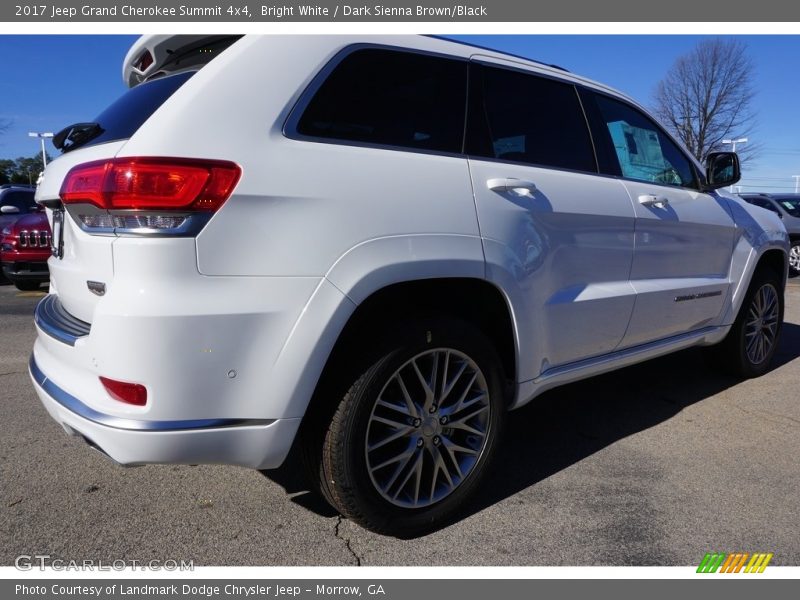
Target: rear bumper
261, 444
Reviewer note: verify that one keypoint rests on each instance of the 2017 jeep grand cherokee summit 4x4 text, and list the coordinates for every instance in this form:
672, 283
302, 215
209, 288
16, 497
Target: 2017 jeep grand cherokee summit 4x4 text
377, 247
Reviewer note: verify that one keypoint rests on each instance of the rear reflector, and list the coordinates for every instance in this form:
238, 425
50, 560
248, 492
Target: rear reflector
129, 393
152, 184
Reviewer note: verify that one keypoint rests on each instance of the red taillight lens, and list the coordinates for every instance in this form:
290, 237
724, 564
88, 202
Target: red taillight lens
152, 184
130, 393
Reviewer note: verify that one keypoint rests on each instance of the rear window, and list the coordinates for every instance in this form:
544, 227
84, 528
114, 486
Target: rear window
121, 120
391, 98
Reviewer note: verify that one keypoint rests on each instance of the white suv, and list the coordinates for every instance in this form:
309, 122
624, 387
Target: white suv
377, 247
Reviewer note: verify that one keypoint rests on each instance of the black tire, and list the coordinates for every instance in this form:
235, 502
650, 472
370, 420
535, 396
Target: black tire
733, 352
27, 286
345, 479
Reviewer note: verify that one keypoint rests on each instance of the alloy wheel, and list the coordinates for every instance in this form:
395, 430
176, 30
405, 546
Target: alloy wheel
428, 428
761, 324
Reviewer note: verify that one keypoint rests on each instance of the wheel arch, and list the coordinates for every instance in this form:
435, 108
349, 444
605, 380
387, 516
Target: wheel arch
473, 300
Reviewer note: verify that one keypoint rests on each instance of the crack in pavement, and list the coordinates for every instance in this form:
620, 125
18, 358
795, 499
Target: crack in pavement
339, 521
12, 373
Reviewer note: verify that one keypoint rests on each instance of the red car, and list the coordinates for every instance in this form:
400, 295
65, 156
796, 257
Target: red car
24, 250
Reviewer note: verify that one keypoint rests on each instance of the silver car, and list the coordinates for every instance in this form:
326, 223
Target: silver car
787, 207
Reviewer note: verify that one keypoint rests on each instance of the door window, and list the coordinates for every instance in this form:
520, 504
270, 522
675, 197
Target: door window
525, 118
643, 150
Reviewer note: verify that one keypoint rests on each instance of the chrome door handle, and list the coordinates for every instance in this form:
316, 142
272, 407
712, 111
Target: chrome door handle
653, 200
511, 184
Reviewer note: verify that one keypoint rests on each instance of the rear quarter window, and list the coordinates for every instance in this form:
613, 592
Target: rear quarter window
391, 98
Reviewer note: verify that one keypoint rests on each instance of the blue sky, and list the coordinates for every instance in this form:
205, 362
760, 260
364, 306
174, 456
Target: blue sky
49, 82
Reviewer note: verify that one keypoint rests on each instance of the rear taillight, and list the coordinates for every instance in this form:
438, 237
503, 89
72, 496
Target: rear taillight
151, 184
129, 393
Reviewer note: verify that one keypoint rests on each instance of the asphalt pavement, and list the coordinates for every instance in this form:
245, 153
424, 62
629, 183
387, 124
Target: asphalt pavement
656, 464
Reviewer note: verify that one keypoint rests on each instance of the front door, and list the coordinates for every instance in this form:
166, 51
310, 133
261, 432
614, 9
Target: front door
683, 236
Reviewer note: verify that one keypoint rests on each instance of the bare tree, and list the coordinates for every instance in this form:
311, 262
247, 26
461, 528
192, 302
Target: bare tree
707, 96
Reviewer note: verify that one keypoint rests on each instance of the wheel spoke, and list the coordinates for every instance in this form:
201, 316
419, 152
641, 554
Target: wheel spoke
459, 404
465, 427
449, 387
457, 448
408, 475
442, 394
406, 458
390, 422
464, 419
395, 407
412, 407
389, 439
453, 458
425, 384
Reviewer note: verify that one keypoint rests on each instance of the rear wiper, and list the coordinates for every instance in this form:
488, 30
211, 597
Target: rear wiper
76, 135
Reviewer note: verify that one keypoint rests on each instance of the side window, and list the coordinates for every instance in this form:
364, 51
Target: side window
643, 150
764, 203
391, 98
758, 202
525, 118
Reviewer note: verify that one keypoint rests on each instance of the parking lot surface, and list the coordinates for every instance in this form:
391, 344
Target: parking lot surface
653, 465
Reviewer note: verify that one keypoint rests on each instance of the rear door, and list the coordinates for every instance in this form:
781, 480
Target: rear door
563, 233
684, 236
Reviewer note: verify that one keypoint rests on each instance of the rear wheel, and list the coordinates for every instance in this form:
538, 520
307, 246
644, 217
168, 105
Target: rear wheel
751, 343
414, 433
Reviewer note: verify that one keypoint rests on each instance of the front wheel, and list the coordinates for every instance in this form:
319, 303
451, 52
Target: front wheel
413, 435
753, 339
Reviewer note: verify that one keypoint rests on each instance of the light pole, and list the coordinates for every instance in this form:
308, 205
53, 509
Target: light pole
42, 135
796, 182
733, 147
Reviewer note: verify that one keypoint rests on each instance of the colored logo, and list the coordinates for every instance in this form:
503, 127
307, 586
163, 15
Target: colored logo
735, 562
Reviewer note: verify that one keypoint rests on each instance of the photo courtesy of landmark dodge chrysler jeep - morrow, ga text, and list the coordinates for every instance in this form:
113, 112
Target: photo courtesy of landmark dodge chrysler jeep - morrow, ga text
375, 248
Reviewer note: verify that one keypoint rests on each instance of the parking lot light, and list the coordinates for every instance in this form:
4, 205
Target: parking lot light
42, 135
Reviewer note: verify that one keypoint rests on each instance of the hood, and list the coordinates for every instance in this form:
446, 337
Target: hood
37, 221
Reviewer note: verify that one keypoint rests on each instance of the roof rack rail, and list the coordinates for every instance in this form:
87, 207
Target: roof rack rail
511, 54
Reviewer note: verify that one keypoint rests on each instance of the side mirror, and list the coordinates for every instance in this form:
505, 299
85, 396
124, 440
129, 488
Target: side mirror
722, 168
9, 210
